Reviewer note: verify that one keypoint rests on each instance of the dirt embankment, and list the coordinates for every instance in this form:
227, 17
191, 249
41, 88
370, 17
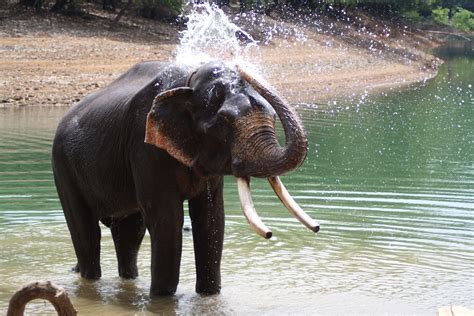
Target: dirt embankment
56, 60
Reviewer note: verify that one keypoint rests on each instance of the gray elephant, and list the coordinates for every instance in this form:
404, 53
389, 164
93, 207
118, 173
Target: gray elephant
130, 154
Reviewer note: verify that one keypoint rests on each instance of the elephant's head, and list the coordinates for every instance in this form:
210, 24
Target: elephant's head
223, 122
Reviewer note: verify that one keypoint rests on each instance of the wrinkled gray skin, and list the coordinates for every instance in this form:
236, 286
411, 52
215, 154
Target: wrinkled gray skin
201, 130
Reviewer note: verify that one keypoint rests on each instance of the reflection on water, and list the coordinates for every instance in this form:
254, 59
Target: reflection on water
391, 181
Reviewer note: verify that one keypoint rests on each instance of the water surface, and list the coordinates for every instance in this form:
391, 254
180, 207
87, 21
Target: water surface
391, 179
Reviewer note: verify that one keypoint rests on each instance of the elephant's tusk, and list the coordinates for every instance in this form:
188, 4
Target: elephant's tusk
248, 208
291, 205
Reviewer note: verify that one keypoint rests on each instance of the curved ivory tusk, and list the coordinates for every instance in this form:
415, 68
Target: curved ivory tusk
291, 205
248, 208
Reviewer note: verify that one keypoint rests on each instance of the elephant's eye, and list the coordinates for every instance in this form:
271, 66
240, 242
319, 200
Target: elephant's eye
217, 93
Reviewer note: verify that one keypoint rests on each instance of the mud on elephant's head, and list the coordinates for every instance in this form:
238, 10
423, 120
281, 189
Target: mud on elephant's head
223, 122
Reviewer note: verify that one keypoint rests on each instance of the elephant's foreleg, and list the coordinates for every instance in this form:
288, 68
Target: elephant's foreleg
207, 218
165, 225
128, 234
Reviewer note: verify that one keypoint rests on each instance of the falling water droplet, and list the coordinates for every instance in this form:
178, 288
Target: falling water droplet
210, 35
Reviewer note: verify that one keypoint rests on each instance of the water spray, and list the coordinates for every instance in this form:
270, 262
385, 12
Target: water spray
210, 35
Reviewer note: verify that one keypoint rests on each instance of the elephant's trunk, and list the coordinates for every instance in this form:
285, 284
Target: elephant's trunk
259, 154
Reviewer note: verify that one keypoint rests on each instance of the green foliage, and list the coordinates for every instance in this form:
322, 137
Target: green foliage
440, 15
256, 4
448, 12
412, 15
463, 20
175, 5
69, 6
160, 9
65, 6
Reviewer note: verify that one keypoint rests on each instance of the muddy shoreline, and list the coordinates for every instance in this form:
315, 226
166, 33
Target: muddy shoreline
55, 60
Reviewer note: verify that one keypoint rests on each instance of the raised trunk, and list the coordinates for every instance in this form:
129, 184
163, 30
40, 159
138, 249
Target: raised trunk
262, 156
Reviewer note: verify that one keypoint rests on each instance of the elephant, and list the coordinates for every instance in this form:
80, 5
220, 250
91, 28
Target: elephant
130, 154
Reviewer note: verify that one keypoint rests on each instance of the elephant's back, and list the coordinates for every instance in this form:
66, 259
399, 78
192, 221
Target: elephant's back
108, 121
109, 104
117, 93
97, 122
92, 140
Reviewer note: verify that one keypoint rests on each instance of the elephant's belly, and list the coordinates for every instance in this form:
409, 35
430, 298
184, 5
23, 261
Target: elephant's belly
113, 199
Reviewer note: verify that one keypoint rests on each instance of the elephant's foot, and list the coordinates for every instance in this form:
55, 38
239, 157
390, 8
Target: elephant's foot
162, 292
128, 273
76, 268
164, 287
208, 289
92, 273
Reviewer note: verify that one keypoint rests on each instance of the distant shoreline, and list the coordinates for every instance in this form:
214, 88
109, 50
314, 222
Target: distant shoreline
57, 60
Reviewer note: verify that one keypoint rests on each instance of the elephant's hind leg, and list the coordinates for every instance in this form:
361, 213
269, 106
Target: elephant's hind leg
85, 234
128, 234
84, 229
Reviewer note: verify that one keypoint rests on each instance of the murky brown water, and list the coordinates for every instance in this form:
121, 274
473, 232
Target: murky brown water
391, 180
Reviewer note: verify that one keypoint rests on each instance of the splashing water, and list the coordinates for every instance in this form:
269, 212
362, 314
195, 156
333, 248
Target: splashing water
210, 35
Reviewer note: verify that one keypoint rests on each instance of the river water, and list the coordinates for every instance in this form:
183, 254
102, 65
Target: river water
391, 179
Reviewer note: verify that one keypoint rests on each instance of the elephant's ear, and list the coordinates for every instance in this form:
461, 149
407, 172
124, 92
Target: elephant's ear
169, 125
